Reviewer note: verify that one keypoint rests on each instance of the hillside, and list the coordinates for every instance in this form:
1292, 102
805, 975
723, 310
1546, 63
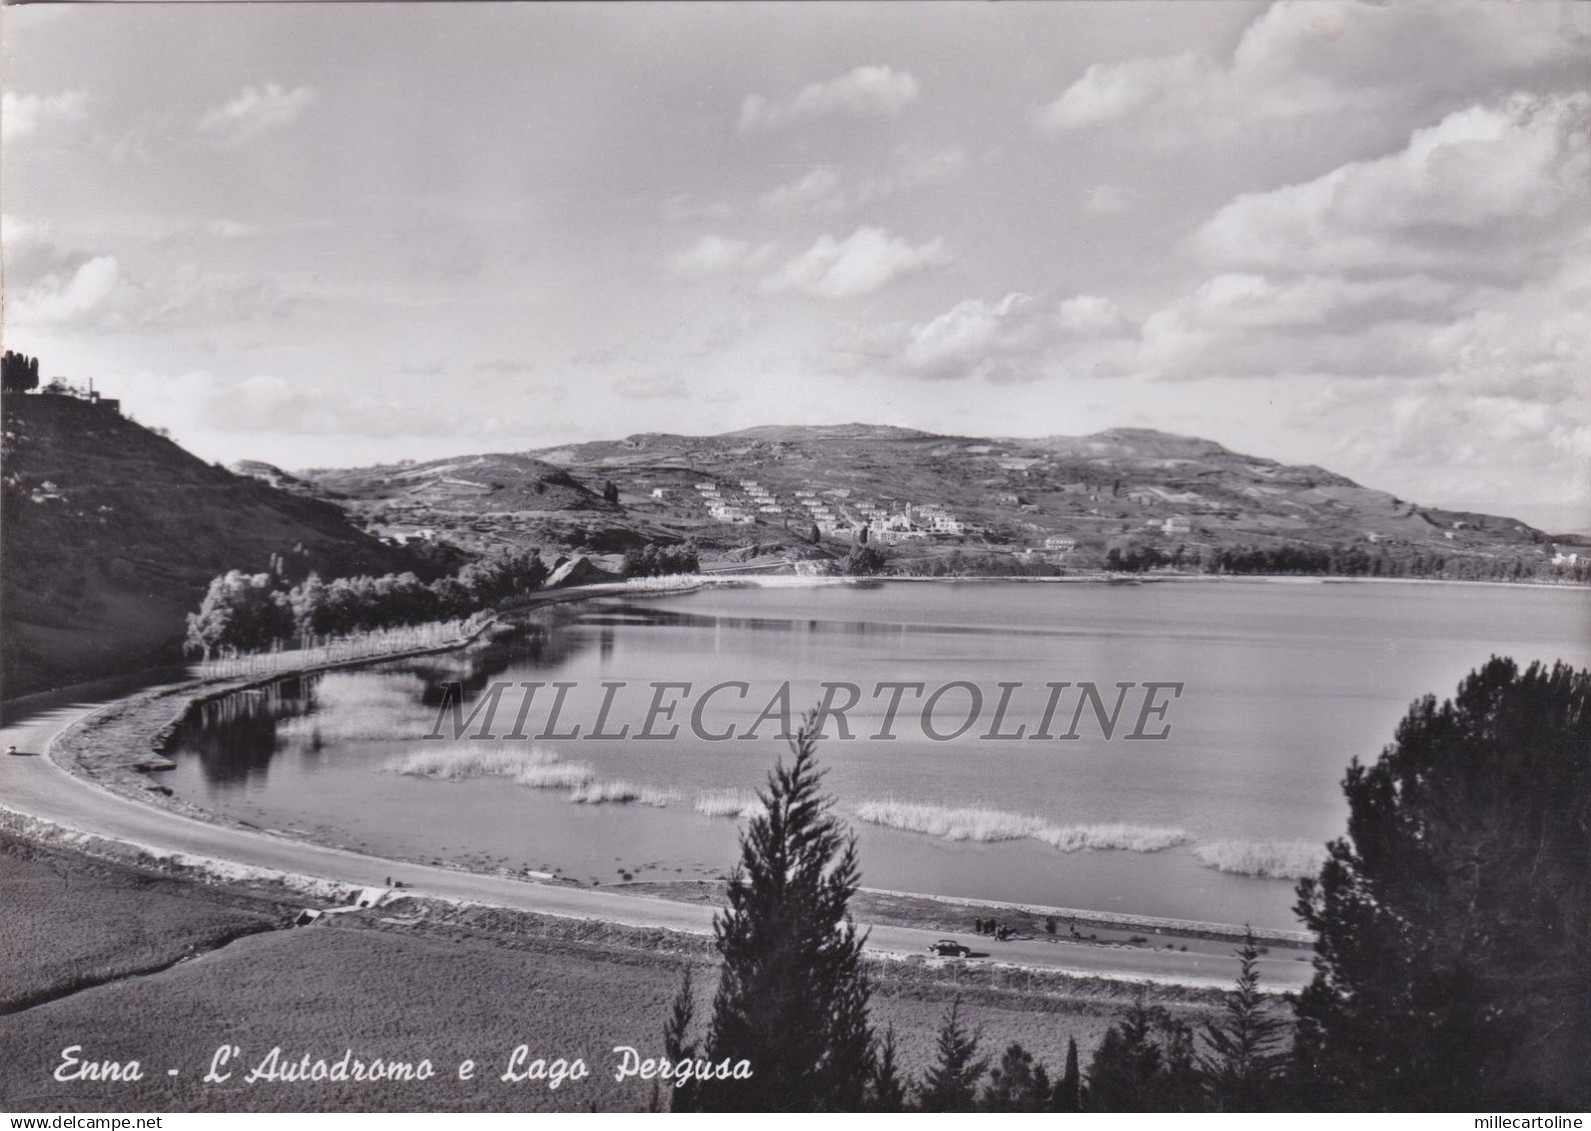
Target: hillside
481, 502
112, 532
757, 494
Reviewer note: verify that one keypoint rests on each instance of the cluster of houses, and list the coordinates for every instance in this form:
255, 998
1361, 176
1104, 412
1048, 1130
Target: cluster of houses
722, 508
832, 511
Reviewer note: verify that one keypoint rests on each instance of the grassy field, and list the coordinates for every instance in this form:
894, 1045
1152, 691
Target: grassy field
69, 924
409, 982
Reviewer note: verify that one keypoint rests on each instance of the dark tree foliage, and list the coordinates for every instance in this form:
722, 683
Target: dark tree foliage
240, 610
1398, 561
951, 1082
1453, 966
1136, 559
19, 373
1245, 1058
865, 561
886, 1091
654, 560
959, 564
1145, 1063
792, 994
610, 493
1017, 1083
677, 1046
250, 612
1069, 1088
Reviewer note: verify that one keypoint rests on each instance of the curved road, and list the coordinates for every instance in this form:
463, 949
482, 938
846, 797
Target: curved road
34, 785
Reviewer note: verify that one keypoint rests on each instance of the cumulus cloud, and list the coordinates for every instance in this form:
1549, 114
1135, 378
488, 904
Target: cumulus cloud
713, 255
1302, 60
863, 262
1114, 90
25, 115
58, 300
1016, 338
255, 110
865, 92
1443, 261
1485, 187
49, 285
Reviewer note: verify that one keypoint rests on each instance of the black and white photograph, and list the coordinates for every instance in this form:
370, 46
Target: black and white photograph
676, 557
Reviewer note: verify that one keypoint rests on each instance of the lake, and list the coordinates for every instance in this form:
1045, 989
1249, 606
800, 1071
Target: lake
1281, 684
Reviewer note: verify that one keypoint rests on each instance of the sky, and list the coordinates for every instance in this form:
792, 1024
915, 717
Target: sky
1348, 234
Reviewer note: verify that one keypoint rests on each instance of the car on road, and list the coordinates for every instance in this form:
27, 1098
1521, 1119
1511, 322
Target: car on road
949, 948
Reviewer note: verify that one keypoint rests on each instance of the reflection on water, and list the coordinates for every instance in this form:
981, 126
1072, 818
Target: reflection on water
1284, 684
235, 738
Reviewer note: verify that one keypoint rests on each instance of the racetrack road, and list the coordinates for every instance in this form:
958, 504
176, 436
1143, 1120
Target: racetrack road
34, 785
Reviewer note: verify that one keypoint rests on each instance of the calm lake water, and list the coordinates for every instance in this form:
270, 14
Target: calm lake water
1283, 684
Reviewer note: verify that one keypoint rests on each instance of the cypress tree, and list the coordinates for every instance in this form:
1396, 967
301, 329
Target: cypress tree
792, 995
951, 1083
677, 1046
1244, 1058
1069, 1089
885, 1089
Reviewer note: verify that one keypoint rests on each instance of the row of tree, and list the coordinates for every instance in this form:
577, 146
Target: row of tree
250, 612
19, 373
1452, 971
1148, 1060
1345, 561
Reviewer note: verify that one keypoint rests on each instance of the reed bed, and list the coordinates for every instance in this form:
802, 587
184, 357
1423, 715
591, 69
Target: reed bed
741, 804
1111, 837
460, 763
992, 825
535, 768
668, 583
621, 793
1272, 859
555, 775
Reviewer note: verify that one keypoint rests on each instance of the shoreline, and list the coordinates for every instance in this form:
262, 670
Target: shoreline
118, 747
796, 581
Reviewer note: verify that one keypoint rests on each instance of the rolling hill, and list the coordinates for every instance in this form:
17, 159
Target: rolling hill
112, 532
762, 490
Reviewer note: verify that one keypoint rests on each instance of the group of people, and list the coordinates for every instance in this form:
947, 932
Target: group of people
993, 928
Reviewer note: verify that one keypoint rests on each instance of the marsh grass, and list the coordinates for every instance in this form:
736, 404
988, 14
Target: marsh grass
621, 793
535, 768
741, 804
991, 825
554, 775
460, 763
1272, 859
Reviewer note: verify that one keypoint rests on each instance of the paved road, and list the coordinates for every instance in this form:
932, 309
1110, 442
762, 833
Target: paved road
34, 785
